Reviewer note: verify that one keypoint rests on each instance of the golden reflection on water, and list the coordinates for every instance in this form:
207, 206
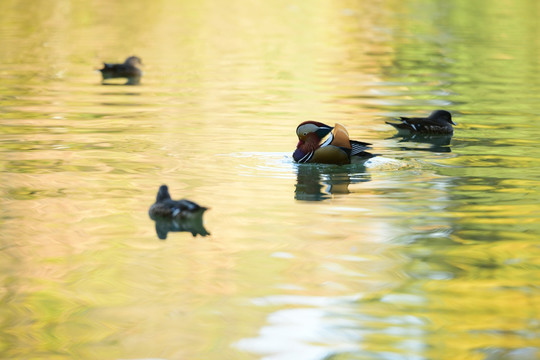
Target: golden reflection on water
431, 256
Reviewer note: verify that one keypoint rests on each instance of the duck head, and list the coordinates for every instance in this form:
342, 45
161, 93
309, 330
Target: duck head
309, 131
310, 134
442, 115
163, 194
133, 61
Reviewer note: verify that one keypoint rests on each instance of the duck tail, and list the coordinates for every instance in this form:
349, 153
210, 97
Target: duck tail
393, 124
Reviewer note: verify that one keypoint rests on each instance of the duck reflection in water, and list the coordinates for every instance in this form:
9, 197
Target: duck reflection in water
176, 215
436, 142
320, 182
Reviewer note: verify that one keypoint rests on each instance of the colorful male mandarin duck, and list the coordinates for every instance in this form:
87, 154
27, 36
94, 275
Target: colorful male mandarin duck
336, 149
129, 69
439, 122
165, 207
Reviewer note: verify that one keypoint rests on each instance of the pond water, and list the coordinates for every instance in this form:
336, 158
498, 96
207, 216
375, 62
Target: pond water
430, 251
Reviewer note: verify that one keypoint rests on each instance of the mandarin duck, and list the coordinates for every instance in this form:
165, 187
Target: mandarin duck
337, 149
438, 122
166, 208
129, 69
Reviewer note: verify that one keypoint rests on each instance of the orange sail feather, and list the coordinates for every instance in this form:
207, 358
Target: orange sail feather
341, 137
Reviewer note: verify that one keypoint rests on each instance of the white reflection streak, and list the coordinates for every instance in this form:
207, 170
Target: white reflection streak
292, 334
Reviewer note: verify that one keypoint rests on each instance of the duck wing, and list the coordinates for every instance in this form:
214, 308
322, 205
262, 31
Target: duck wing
352, 147
172, 208
120, 70
358, 148
415, 124
181, 206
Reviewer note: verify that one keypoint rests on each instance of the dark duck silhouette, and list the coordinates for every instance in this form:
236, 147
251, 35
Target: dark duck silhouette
438, 122
129, 70
165, 207
176, 215
337, 149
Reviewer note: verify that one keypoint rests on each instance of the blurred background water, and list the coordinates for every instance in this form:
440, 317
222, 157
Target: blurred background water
433, 254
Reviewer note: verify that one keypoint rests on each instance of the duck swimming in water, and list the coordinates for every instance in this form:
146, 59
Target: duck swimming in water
129, 69
438, 122
165, 207
337, 149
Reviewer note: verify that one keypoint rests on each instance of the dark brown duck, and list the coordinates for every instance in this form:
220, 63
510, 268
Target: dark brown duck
165, 207
438, 122
129, 70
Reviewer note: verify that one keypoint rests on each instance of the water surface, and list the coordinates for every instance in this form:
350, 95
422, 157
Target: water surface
429, 252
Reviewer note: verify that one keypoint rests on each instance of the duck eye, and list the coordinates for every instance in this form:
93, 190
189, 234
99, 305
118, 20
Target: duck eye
305, 133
